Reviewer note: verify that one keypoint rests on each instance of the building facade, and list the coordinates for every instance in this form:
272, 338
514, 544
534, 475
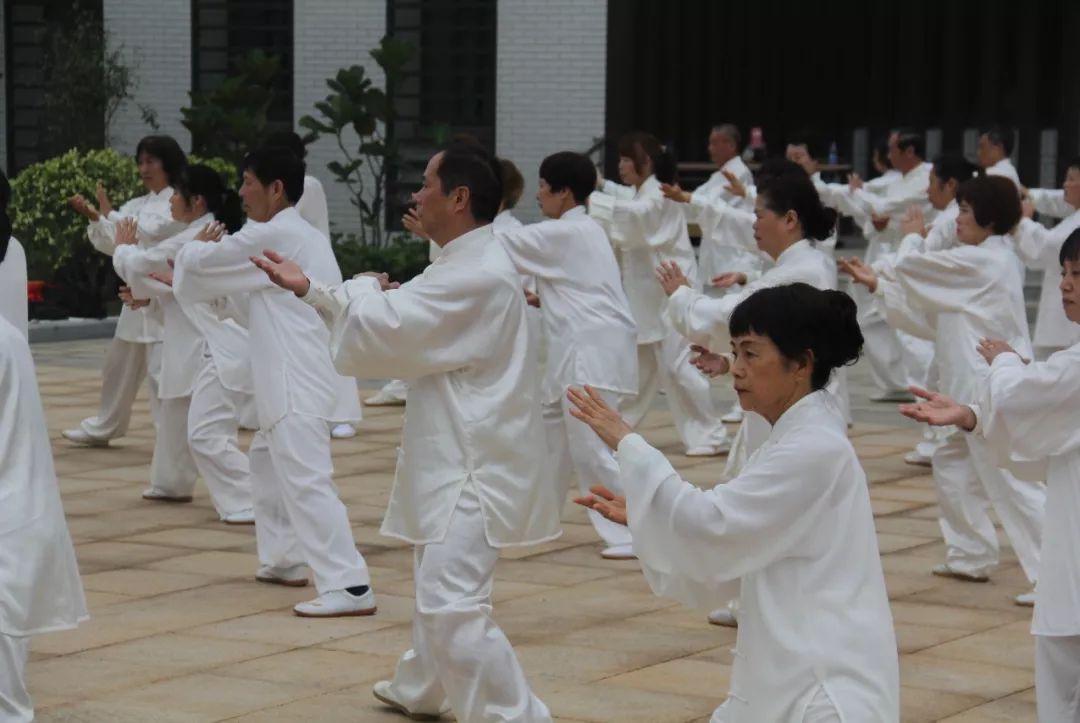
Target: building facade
528, 78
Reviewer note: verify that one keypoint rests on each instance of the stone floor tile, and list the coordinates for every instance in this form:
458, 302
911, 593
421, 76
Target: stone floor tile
924, 670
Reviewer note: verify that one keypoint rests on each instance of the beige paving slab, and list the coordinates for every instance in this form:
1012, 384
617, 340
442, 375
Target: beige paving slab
181, 633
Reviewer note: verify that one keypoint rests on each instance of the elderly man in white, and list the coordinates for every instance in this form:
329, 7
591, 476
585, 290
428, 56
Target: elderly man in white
471, 477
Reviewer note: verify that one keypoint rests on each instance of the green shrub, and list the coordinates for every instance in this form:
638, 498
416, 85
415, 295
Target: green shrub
403, 256
57, 249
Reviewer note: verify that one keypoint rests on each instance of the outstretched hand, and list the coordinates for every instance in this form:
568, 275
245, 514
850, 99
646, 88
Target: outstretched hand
859, 271
412, 223
914, 221
164, 277
937, 410
211, 232
728, 279
283, 272
673, 192
591, 408
709, 363
990, 349
103, 199
129, 299
83, 207
127, 231
385, 284
734, 186
671, 277
606, 502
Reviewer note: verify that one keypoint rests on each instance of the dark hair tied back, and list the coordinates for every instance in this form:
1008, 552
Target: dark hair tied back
795, 192
798, 319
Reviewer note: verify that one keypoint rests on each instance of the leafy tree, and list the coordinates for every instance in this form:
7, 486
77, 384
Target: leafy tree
233, 117
356, 103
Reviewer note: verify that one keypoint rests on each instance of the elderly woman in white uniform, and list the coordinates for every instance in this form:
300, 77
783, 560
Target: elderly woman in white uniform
135, 351
646, 229
792, 535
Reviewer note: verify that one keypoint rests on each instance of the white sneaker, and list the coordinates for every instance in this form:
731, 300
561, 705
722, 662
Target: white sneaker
709, 450
619, 552
343, 431
337, 604
382, 399
295, 576
943, 570
243, 517
725, 617
383, 692
79, 436
915, 458
1025, 599
733, 417
155, 495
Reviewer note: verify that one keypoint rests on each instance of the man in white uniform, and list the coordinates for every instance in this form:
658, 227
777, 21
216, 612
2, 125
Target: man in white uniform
40, 589
993, 151
299, 520
471, 478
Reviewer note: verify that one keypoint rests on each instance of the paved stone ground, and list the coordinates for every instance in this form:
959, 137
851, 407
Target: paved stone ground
180, 632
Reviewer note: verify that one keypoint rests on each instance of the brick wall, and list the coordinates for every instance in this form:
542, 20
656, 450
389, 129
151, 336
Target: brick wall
550, 84
328, 35
156, 41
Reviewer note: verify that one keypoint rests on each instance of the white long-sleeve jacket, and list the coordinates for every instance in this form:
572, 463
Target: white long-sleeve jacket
155, 224
591, 334
291, 369
794, 535
1039, 248
1028, 414
645, 230
457, 334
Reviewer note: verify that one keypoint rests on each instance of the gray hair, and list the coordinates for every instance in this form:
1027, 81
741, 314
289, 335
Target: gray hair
731, 131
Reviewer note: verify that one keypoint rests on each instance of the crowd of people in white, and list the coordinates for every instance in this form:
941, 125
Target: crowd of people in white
528, 354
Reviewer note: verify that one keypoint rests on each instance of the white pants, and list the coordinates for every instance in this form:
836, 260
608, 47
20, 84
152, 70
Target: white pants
459, 654
1057, 678
886, 356
126, 365
15, 703
666, 364
576, 449
213, 428
967, 484
172, 468
299, 518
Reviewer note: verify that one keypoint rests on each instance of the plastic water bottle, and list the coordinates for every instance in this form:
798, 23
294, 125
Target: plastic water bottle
834, 157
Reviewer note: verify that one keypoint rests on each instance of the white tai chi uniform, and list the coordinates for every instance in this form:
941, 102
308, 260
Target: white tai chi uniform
795, 528
1027, 413
645, 229
183, 358
897, 359
13, 302
40, 590
957, 297
129, 357
312, 208
312, 205
471, 478
298, 516
1039, 248
723, 247
593, 340
704, 321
